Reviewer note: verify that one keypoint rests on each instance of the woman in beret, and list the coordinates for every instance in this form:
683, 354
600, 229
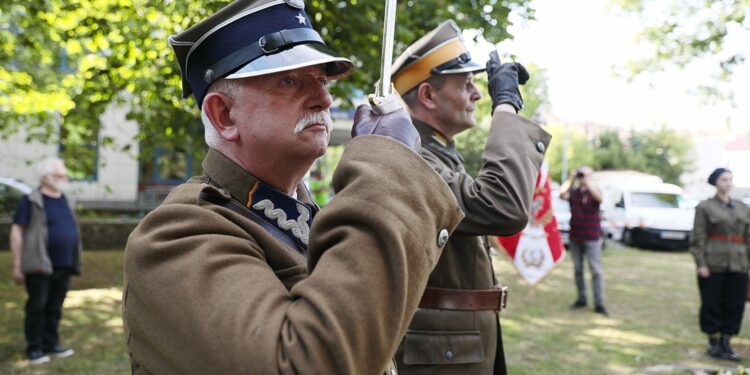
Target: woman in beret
720, 247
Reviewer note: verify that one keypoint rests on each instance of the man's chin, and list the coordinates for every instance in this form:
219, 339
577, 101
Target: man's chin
317, 144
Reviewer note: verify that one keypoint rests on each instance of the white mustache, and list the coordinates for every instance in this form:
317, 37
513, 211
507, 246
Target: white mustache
323, 117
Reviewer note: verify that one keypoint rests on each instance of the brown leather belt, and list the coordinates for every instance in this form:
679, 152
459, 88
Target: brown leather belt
726, 238
465, 299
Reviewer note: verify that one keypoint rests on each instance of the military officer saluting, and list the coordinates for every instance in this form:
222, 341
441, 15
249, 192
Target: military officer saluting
456, 329
721, 236
238, 272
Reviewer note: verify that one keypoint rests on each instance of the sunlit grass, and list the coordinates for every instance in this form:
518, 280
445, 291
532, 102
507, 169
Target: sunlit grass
91, 321
653, 302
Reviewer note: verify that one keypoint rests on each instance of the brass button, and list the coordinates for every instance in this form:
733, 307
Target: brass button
442, 238
540, 146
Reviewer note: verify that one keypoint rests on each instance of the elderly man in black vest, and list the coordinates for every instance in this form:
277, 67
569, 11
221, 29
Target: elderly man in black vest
46, 245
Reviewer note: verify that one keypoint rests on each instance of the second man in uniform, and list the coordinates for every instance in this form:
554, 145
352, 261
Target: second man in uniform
456, 328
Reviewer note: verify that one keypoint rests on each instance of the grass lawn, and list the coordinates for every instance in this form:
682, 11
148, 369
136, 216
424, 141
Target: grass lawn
652, 298
652, 328
91, 321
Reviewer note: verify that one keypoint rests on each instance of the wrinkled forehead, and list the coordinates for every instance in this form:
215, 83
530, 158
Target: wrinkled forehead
455, 81
315, 71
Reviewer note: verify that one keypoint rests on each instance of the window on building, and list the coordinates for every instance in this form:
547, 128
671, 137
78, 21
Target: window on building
167, 167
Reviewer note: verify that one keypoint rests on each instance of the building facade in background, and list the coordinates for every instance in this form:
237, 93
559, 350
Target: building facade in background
111, 177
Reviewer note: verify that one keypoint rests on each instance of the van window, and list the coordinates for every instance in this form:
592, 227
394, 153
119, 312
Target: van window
655, 200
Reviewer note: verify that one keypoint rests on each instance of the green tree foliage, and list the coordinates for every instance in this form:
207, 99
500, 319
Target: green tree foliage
62, 62
683, 30
663, 152
571, 142
610, 152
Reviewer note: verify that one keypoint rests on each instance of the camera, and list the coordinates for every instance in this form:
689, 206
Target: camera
579, 174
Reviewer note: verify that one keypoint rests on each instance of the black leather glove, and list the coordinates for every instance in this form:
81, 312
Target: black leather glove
396, 125
504, 80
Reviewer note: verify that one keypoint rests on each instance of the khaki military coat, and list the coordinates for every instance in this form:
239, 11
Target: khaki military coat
496, 202
721, 236
208, 291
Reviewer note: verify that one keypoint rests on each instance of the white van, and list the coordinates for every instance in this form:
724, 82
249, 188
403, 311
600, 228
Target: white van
651, 214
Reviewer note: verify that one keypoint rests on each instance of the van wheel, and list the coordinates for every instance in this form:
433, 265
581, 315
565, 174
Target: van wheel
627, 238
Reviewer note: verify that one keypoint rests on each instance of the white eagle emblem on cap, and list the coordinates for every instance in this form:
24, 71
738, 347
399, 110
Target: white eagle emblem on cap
296, 3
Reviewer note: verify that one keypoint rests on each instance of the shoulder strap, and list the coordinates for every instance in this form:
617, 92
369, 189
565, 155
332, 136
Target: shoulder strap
249, 214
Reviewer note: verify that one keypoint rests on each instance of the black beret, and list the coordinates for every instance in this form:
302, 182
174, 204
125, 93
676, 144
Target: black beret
715, 175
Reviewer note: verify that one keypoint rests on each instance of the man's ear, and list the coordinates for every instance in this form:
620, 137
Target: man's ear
218, 106
425, 93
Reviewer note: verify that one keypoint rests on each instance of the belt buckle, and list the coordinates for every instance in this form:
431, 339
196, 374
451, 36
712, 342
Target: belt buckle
503, 297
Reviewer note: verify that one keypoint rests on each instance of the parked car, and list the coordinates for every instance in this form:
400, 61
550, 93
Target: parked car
652, 215
11, 192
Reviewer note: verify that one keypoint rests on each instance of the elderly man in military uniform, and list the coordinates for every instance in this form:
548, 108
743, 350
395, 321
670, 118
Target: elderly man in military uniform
238, 272
456, 329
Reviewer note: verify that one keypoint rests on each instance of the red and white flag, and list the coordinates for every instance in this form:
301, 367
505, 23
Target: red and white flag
539, 247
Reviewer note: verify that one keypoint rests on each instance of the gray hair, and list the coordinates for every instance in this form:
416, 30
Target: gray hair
47, 165
410, 97
228, 87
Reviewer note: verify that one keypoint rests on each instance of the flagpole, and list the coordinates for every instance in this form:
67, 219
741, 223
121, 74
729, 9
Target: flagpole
389, 25
383, 88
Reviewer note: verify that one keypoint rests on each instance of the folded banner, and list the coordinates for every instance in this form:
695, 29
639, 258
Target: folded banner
539, 247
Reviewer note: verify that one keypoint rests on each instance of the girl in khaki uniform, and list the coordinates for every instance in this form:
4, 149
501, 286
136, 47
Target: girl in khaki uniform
720, 247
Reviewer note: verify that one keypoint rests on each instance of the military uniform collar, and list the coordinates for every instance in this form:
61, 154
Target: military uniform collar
430, 135
228, 175
433, 139
290, 215
237, 181
721, 203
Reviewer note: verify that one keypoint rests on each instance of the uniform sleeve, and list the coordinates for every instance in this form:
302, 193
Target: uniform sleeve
698, 238
23, 212
202, 298
497, 202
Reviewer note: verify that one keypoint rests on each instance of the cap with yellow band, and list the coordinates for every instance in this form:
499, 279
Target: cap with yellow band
441, 51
